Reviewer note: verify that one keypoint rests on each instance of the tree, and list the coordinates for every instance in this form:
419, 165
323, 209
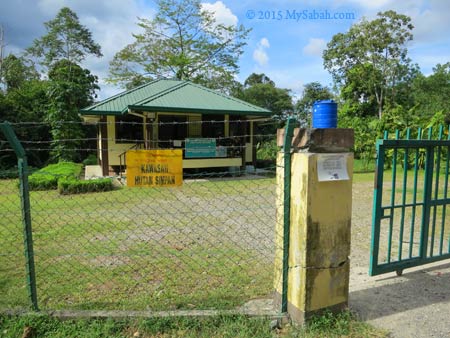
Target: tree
260, 90
27, 103
430, 93
70, 88
183, 41
16, 71
374, 53
66, 39
312, 92
255, 79
23, 100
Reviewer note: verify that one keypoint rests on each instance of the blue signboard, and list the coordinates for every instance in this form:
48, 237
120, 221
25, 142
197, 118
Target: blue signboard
200, 147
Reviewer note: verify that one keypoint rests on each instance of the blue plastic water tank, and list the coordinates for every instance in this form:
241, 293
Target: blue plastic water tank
324, 114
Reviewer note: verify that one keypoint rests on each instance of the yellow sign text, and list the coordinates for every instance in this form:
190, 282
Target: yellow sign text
154, 168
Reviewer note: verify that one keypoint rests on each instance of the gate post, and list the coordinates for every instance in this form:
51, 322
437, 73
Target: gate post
320, 221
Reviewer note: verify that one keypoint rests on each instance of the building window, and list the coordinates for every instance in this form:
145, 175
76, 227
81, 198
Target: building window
170, 128
129, 129
240, 127
213, 126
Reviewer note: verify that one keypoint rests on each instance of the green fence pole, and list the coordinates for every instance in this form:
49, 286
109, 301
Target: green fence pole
427, 188
289, 131
26, 215
376, 210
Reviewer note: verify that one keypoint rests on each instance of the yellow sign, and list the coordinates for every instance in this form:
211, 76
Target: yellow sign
154, 168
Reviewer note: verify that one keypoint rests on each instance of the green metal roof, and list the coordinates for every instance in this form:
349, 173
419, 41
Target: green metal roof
173, 96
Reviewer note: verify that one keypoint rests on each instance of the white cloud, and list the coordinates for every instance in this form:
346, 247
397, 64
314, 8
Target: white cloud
315, 47
222, 13
264, 43
259, 54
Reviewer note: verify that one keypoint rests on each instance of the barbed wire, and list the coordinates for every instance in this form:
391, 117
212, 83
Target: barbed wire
125, 140
155, 123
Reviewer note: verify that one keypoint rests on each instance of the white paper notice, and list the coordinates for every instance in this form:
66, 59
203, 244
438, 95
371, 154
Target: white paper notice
332, 167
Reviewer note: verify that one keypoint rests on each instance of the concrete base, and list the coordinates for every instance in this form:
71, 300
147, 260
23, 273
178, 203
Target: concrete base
312, 291
93, 171
300, 317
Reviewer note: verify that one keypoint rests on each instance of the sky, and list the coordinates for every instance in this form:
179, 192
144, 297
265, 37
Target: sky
286, 41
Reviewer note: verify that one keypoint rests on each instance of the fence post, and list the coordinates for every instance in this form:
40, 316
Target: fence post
319, 225
5, 127
289, 132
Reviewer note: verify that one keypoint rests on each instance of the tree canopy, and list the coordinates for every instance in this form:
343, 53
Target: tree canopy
431, 93
371, 58
70, 87
260, 90
16, 71
313, 91
66, 39
182, 41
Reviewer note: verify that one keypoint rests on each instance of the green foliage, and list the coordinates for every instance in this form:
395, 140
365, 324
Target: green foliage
343, 324
40, 181
312, 92
260, 90
222, 326
26, 103
72, 185
90, 160
430, 94
70, 88
66, 39
275, 99
254, 79
236, 326
83, 84
370, 60
364, 166
182, 41
13, 172
267, 150
365, 132
47, 178
15, 71
397, 117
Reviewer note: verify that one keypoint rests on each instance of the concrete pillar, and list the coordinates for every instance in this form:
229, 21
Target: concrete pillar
320, 220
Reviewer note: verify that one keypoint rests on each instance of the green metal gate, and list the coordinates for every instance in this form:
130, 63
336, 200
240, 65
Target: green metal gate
409, 225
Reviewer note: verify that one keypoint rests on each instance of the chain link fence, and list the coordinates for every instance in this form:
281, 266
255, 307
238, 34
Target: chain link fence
208, 244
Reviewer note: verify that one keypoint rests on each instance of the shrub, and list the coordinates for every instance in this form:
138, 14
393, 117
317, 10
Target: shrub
90, 160
267, 150
68, 186
42, 182
47, 178
6, 174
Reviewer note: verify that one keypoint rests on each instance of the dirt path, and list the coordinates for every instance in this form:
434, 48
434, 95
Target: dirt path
415, 305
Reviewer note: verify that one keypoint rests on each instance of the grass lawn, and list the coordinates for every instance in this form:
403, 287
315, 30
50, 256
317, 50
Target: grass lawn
343, 325
207, 244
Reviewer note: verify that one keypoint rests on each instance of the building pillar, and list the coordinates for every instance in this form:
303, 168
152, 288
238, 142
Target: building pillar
104, 144
320, 220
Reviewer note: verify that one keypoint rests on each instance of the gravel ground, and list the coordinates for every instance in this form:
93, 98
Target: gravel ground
415, 305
